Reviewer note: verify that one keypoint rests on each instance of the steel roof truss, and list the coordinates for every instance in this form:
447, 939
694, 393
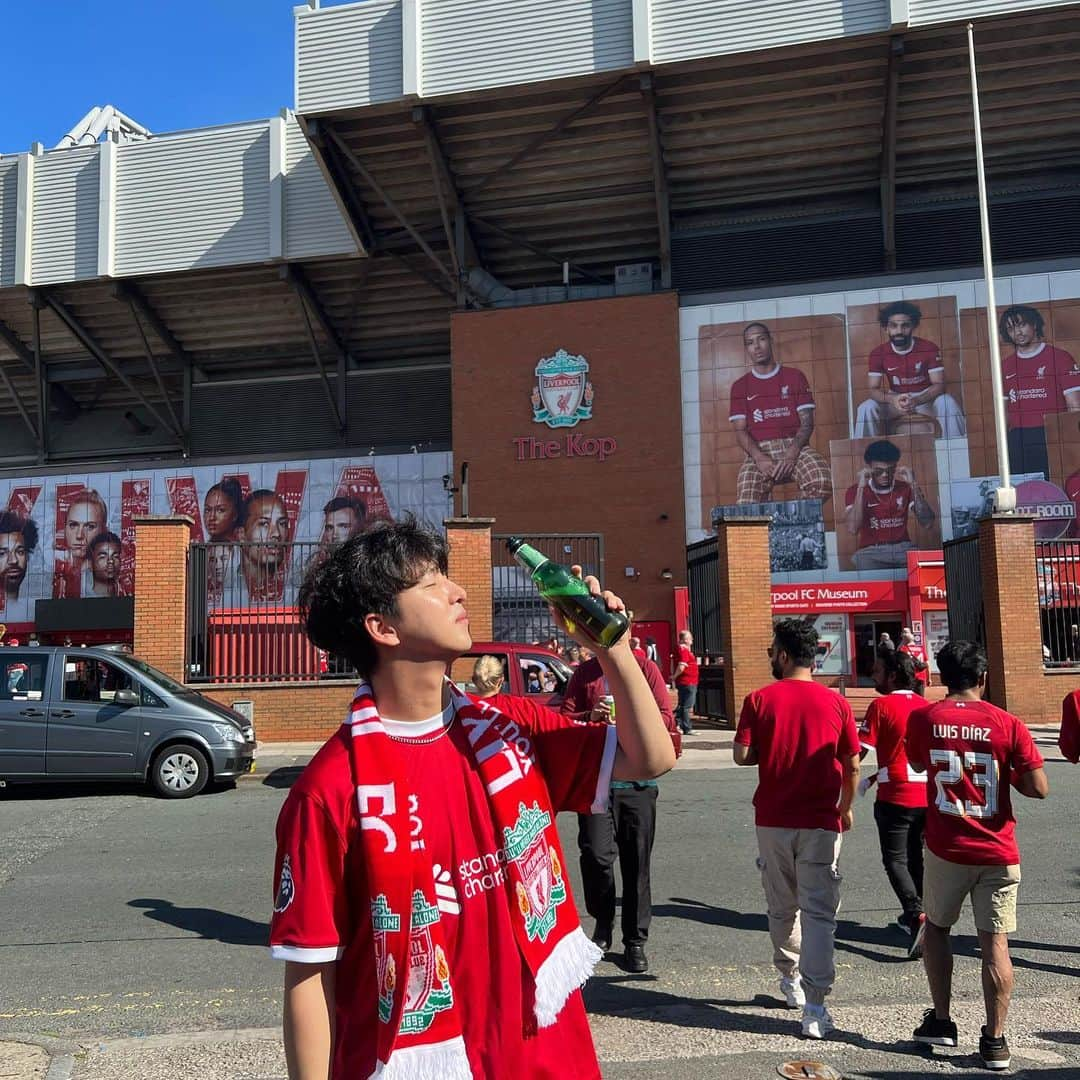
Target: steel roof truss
17, 399
536, 249
80, 333
156, 372
130, 293
660, 181
888, 151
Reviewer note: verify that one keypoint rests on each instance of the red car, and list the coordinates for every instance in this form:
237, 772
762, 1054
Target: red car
528, 670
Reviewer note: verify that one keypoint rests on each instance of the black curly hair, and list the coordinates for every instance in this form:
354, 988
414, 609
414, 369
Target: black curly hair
361, 577
10, 522
899, 307
900, 665
798, 639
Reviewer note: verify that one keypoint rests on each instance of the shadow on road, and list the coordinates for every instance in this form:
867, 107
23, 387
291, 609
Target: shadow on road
284, 777
18, 791
206, 922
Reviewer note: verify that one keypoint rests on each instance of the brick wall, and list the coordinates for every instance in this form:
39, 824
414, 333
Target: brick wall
1011, 607
745, 608
161, 569
308, 712
469, 540
634, 497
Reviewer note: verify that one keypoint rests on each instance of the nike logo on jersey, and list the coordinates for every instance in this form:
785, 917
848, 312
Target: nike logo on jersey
752, 397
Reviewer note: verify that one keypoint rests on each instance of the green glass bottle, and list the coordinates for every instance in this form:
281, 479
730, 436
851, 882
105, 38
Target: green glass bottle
570, 595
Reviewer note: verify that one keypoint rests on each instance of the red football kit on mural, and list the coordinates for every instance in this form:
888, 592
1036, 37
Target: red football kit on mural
791, 724
970, 749
908, 372
322, 916
885, 514
770, 404
1037, 385
884, 728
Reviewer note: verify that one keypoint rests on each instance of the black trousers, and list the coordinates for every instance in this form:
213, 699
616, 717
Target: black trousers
900, 830
626, 830
1027, 451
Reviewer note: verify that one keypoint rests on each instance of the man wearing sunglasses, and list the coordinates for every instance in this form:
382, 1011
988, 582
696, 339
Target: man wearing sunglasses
877, 506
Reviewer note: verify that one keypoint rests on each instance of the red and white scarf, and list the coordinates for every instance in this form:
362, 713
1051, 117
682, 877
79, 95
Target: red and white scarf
419, 1023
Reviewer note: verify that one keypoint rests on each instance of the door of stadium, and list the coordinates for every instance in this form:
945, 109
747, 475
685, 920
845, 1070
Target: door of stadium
868, 631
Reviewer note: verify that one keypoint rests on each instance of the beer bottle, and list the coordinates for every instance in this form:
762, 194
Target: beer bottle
570, 595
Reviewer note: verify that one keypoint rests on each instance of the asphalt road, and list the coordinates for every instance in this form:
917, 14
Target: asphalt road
126, 921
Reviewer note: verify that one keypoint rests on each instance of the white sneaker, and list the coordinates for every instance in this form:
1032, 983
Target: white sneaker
793, 992
816, 1022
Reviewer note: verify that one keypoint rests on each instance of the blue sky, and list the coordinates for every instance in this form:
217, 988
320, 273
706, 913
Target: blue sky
168, 64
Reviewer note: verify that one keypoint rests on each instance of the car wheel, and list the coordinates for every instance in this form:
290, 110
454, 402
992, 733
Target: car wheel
179, 772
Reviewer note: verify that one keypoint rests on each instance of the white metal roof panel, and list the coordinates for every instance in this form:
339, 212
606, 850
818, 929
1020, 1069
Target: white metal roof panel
923, 12
9, 197
469, 44
65, 244
313, 222
685, 29
197, 199
349, 55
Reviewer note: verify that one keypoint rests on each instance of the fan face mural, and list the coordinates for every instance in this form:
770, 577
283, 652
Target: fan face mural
862, 422
74, 536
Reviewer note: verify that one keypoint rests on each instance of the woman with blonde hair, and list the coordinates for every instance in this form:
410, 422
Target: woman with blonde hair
488, 676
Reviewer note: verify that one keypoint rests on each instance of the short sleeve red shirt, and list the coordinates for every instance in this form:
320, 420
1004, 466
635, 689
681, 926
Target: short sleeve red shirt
885, 514
801, 732
771, 404
318, 914
689, 677
909, 372
1069, 736
970, 749
917, 652
1037, 385
884, 728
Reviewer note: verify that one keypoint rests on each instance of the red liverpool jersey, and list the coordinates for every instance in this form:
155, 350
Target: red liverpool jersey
1037, 385
907, 372
884, 728
771, 404
885, 514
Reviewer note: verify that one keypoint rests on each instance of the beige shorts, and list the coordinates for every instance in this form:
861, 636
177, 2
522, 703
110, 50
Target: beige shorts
993, 891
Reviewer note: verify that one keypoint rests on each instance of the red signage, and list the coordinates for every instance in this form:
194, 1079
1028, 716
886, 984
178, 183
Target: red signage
840, 596
931, 582
595, 446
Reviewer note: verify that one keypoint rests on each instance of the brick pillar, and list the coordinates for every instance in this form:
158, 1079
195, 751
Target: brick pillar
470, 567
161, 578
1011, 610
745, 608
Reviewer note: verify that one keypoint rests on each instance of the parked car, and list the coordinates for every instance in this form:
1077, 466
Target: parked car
529, 670
104, 714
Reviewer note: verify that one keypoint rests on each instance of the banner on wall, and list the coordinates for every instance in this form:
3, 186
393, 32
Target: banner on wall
862, 422
74, 536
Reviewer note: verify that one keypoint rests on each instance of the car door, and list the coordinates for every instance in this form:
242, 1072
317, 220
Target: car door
89, 733
543, 678
23, 711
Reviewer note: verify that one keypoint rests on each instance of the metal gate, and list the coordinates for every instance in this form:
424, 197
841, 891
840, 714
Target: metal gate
519, 612
963, 583
703, 578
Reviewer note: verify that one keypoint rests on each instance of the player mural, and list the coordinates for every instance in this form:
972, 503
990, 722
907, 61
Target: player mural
74, 536
873, 410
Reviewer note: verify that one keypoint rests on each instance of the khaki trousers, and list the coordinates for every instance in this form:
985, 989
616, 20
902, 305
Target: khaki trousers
802, 890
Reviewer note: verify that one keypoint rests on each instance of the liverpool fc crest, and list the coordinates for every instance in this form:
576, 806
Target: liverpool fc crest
563, 394
541, 889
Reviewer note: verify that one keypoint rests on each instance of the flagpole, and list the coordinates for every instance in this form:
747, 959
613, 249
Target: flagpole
1005, 495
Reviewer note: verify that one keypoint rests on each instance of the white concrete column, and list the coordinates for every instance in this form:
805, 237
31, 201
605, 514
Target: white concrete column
278, 168
899, 13
108, 153
642, 31
24, 216
412, 46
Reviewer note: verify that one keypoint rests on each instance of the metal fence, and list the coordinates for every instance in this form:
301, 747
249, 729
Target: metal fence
518, 610
703, 578
1057, 567
963, 583
243, 620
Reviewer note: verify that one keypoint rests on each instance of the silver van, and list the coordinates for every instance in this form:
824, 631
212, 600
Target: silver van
103, 714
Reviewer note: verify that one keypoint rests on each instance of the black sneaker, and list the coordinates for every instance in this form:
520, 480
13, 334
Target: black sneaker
935, 1032
994, 1051
602, 936
635, 959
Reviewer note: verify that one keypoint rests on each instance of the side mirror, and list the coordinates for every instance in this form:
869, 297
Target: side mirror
127, 698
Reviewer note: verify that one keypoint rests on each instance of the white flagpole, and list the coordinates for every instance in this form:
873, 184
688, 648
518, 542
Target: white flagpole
1005, 496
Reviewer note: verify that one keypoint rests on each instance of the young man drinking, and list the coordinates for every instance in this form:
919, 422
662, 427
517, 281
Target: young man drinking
422, 906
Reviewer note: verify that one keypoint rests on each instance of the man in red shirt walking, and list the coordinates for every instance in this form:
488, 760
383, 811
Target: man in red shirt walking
971, 751
900, 810
422, 901
685, 678
876, 507
625, 829
803, 739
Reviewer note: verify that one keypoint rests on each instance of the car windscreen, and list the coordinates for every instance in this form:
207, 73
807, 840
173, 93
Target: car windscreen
166, 682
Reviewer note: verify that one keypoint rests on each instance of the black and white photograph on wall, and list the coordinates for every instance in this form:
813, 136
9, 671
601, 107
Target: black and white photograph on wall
974, 498
796, 532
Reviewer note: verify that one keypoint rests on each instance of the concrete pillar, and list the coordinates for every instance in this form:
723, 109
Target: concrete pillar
1011, 612
745, 608
161, 583
470, 566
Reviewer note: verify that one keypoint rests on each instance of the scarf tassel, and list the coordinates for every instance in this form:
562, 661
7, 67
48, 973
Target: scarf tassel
567, 969
433, 1061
